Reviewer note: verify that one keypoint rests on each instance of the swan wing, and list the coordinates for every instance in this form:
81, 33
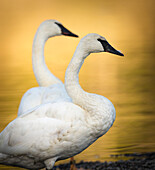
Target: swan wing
42, 132
33, 137
41, 95
30, 99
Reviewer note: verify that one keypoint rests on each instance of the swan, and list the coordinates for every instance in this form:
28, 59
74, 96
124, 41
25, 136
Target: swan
56, 91
56, 131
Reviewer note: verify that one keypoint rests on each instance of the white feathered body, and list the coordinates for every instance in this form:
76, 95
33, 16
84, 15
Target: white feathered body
59, 130
36, 96
53, 89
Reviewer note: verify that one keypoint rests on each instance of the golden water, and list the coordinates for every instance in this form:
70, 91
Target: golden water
128, 82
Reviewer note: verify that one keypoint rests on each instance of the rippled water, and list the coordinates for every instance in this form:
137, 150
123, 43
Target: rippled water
128, 82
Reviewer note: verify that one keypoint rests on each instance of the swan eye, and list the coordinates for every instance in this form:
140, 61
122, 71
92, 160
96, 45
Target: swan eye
65, 31
104, 43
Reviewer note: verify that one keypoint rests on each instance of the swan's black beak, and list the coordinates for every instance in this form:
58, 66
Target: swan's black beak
108, 48
65, 31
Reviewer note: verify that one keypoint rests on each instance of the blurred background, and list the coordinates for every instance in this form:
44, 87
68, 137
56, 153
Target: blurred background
128, 82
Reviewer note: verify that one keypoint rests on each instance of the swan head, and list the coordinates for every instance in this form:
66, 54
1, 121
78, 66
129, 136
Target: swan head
94, 43
54, 28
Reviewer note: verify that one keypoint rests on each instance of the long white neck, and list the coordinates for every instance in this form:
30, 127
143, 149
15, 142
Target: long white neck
100, 111
72, 79
43, 75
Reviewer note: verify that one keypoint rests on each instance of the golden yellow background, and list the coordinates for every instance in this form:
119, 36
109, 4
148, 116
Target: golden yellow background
128, 82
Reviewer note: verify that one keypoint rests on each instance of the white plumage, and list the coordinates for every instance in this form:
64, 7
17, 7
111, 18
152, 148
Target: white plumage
60, 130
53, 89
36, 96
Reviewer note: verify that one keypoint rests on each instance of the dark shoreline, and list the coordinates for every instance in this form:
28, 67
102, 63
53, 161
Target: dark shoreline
136, 161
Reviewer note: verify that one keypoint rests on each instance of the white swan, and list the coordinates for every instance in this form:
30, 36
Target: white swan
57, 131
56, 92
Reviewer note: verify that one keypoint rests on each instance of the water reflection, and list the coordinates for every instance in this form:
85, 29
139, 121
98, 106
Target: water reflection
128, 82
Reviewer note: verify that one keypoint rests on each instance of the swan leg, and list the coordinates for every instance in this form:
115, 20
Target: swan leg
50, 163
72, 164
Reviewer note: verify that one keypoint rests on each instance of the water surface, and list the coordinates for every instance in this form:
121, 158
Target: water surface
128, 82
